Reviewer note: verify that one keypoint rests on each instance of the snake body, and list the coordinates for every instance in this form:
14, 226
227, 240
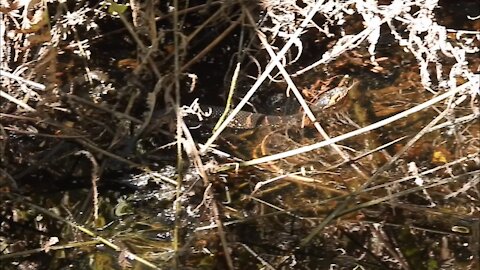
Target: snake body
250, 120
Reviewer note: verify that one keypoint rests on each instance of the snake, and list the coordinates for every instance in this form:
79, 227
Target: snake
208, 115
250, 120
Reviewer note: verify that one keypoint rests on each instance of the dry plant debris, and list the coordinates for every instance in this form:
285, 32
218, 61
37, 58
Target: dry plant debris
109, 158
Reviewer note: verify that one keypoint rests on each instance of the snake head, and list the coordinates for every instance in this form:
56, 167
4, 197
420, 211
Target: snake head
333, 96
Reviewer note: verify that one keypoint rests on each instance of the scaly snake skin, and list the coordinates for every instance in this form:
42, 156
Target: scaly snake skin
250, 120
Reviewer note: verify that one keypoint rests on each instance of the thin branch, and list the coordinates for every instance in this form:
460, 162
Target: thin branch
271, 65
357, 132
33, 84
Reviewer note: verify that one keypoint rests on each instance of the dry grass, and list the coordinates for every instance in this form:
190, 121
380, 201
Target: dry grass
93, 94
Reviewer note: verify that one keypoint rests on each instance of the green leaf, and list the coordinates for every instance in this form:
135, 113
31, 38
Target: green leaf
115, 8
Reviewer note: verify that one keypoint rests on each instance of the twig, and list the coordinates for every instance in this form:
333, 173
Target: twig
55, 247
106, 242
210, 46
406, 192
16, 101
33, 84
350, 199
228, 105
260, 259
305, 106
146, 57
361, 130
216, 213
271, 65
14, 130
401, 180
379, 148
179, 134
341, 48
103, 107
92, 146
151, 101
94, 177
